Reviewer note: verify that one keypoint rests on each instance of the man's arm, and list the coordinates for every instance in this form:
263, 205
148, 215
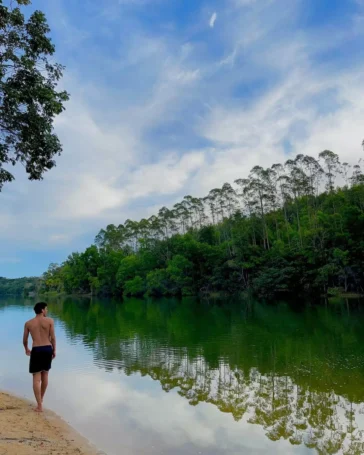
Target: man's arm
25, 339
52, 337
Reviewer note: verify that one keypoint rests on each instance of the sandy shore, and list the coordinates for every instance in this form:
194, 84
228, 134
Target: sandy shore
25, 432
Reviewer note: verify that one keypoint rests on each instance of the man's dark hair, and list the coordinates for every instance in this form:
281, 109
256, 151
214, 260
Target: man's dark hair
38, 307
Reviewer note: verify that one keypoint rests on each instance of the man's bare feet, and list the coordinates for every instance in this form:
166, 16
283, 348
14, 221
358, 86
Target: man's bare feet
38, 408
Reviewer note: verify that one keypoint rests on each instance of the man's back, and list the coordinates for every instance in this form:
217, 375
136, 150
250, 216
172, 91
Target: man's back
40, 330
43, 352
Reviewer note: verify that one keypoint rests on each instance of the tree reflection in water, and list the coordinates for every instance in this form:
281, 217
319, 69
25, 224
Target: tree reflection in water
297, 373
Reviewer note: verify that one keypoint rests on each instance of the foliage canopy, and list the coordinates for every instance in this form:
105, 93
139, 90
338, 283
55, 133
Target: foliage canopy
29, 99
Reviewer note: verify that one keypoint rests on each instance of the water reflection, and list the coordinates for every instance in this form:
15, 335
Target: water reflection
296, 373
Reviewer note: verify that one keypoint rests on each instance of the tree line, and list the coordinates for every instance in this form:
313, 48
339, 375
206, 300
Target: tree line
22, 287
289, 228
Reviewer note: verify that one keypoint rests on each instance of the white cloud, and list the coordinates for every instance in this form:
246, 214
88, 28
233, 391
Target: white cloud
165, 177
246, 137
213, 19
89, 197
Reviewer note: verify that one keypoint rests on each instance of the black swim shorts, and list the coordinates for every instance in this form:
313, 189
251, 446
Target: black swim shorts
40, 359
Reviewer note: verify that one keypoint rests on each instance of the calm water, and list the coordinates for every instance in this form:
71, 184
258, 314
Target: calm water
167, 377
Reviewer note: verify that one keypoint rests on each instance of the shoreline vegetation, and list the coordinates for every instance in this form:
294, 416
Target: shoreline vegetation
288, 230
24, 432
214, 296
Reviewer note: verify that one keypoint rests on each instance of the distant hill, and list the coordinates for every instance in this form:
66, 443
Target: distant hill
25, 286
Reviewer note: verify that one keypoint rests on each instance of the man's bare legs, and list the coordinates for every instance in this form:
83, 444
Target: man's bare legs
37, 379
44, 386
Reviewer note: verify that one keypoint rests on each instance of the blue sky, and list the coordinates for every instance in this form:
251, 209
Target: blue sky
175, 97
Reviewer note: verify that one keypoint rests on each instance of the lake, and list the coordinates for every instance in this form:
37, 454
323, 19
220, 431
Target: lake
188, 377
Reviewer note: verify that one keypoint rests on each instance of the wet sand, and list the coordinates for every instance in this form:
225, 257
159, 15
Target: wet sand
25, 432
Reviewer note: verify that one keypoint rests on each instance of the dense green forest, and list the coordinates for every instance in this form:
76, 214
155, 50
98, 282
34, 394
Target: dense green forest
287, 229
19, 286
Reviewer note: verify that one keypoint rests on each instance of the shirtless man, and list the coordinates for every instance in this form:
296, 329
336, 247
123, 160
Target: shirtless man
43, 351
